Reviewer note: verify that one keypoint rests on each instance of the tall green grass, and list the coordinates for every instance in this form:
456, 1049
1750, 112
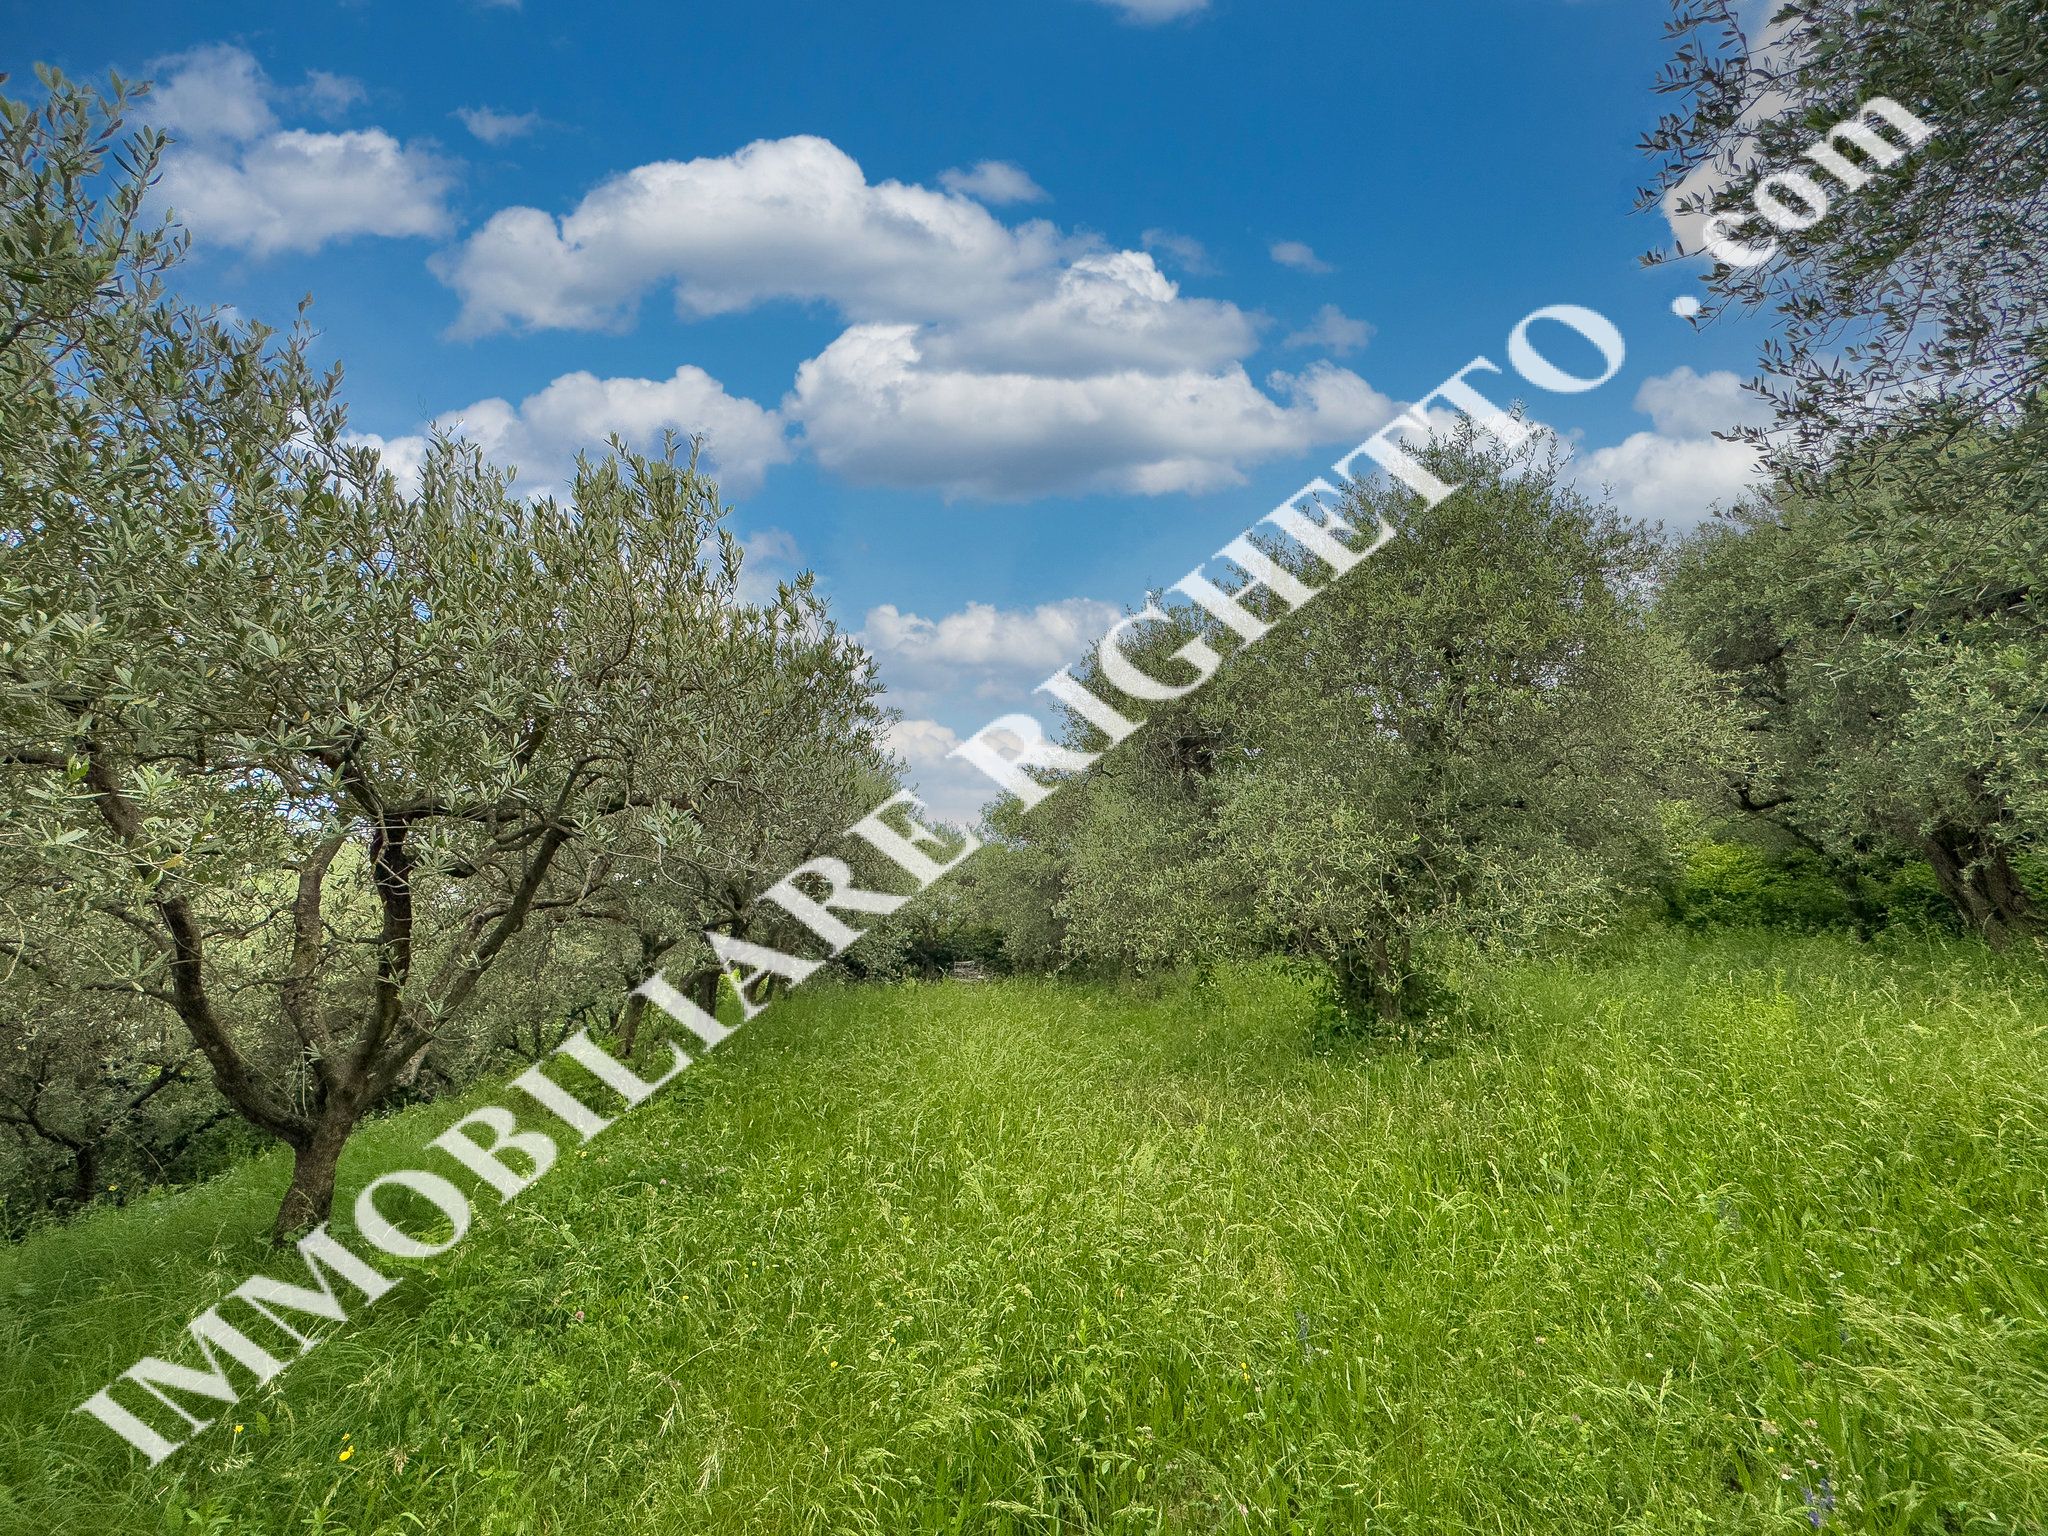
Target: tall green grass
1727, 1234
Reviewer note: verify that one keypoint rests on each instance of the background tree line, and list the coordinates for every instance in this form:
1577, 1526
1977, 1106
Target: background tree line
1523, 717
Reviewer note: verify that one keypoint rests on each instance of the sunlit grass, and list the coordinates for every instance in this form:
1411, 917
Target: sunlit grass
1724, 1235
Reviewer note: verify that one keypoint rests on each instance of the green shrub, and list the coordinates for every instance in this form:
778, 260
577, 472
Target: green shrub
1912, 898
1723, 884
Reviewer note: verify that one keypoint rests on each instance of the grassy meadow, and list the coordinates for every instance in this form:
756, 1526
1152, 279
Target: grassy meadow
1726, 1234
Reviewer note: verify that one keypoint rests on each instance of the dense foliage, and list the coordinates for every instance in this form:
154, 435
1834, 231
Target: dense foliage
320, 792
1467, 738
295, 755
1883, 637
1876, 614
1924, 284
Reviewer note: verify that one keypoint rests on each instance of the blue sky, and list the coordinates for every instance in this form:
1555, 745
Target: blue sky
995, 314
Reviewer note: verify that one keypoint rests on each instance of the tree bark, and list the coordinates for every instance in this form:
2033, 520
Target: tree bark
185, 948
1368, 989
85, 1172
629, 1024
1979, 878
2017, 916
309, 1198
652, 947
701, 987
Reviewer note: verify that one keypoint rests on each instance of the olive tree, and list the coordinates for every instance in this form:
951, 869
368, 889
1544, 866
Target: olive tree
326, 744
93, 1087
1882, 632
817, 765
1469, 735
1877, 615
1923, 282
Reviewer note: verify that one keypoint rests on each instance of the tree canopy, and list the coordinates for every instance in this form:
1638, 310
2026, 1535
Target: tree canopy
1468, 736
314, 746
1923, 286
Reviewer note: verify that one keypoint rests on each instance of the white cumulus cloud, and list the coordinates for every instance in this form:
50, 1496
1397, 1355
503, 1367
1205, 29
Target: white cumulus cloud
994, 181
1111, 382
952, 790
331, 95
578, 412
495, 127
979, 359
1292, 253
218, 92
1334, 404
1188, 253
1334, 331
1683, 403
1678, 473
295, 191
1152, 12
922, 743
235, 178
981, 651
1673, 481
875, 409
969, 666
780, 219
1104, 313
